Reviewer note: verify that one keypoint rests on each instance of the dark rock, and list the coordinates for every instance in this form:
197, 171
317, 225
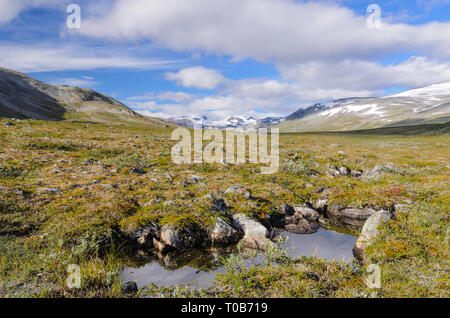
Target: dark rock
287, 209
144, 235
130, 288
300, 225
138, 171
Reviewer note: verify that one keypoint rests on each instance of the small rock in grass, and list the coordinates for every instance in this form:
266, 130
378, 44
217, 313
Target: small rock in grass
239, 189
49, 190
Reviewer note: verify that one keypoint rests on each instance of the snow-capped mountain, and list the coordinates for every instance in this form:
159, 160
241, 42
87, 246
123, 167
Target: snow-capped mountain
230, 122
429, 104
418, 106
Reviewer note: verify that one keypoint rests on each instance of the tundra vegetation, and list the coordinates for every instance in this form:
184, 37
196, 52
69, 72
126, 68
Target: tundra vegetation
76, 193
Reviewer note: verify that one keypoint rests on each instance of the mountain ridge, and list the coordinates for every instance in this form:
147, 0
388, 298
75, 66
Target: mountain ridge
22, 96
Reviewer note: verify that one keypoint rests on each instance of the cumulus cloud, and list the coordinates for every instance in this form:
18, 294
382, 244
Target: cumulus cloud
280, 30
249, 97
198, 77
357, 75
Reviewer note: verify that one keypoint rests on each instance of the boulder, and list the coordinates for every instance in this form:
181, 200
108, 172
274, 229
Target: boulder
255, 234
350, 216
308, 213
183, 237
223, 233
369, 232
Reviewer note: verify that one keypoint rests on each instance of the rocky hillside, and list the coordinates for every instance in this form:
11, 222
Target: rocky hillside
24, 97
420, 106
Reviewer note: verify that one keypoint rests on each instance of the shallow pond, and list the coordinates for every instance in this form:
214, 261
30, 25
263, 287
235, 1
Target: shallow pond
200, 267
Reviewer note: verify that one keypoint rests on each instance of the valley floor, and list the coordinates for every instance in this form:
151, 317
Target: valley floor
71, 192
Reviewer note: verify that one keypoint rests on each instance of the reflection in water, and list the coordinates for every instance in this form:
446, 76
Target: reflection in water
199, 267
324, 244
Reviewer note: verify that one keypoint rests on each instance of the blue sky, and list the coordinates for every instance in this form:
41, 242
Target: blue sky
228, 57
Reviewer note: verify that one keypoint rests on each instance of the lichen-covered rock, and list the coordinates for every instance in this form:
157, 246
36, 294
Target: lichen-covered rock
223, 233
255, 234
183, 237
369, 232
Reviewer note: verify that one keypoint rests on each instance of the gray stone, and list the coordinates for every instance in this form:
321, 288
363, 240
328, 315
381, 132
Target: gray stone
356, 173
239, 189
369, 232
308, 213
223, 233
49, 190
183, 237
344, 171
255, 234
350, 216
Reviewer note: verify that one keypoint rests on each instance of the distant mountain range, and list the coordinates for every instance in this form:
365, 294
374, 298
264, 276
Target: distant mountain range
419, 106
22, 96
230, 122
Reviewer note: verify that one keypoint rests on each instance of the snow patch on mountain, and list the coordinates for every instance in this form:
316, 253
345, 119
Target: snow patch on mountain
441, 89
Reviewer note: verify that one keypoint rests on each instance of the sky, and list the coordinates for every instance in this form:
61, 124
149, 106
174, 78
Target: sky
220, 58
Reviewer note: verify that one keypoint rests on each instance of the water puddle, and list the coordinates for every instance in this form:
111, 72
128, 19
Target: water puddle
200, 267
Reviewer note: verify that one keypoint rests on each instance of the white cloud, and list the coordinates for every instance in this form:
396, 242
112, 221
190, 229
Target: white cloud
359, 75
281, 30
250, 97
198, 77
12, 8
40, 58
